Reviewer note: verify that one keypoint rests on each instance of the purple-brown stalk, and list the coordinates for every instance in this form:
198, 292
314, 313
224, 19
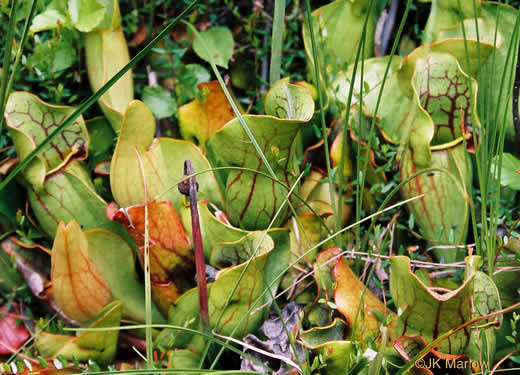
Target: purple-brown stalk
189, 188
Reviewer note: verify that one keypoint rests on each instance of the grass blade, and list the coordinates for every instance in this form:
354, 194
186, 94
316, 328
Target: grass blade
6, 64
276, 41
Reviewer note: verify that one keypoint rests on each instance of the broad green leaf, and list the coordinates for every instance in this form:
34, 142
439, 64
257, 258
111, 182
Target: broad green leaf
443, 212
336, 45
253, 199
68, 194
172, 262
47, 20
162, 159
208, 113
86, 14
160, 101
215, 45
430, 311
98, 346
79, 289
289, 101
29, 121
106, 53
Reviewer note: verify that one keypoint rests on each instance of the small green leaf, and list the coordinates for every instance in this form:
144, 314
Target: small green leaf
86, 14
510, 171
215, 45
160, 101
49, 19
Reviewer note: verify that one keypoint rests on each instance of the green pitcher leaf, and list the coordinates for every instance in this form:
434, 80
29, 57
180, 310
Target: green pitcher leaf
495, 20
331, 35
215, 45
253, 199
328, 342
106, 53
336, 355
162, 159
430, 311
411, 345
226, 254
486, 300
447, 13
443, 212
98, 346
68, 194
79, 289
289, 101
421, 105
30, 120
86, 14
320, 335
215, 231
365, 313
115, 260
112, 15
262, 272
92, 268
448, 95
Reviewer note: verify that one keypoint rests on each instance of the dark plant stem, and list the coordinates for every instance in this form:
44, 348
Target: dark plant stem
189, 188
